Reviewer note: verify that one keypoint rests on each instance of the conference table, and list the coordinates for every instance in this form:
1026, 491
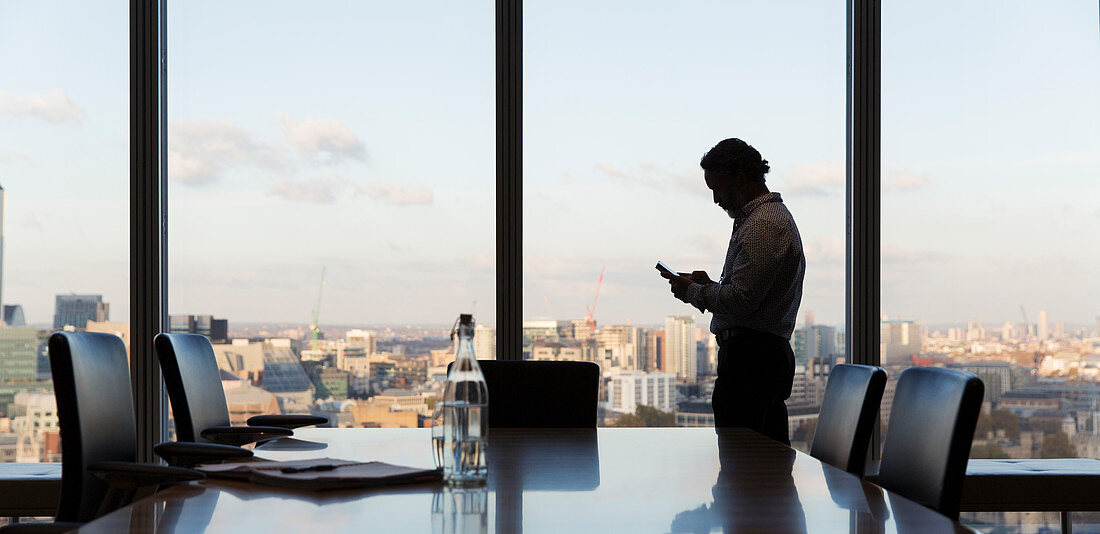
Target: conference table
690, 480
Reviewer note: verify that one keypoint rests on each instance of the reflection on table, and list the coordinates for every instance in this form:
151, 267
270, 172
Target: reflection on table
609, 480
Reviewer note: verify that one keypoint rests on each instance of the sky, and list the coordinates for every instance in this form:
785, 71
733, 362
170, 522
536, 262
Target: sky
358, 137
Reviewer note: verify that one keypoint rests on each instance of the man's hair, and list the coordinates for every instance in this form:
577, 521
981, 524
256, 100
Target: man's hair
734, 155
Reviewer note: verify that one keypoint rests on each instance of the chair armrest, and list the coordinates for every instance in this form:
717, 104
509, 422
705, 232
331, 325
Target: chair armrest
188, 454
56, 527
133, 475
286, 421
243, 435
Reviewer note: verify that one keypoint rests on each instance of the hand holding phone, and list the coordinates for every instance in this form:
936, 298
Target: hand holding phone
666, 271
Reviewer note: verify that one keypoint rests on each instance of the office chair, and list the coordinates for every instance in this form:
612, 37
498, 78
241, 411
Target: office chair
847, 417
198, 400
928, 438
95, 412
541, 394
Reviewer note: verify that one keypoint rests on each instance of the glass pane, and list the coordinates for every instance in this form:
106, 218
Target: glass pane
989, 210
64, 202
331, 198
622, 99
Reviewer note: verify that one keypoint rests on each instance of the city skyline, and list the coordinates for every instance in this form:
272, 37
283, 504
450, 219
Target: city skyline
269, 185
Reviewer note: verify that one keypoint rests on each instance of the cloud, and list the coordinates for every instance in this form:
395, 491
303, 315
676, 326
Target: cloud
662, 177
54, 106
319, 190
200, 150
820, 178
323, 138
396, 195
825, 249
903, 180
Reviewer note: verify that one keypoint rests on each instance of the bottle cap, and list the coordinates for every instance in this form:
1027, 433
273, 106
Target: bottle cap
465, 318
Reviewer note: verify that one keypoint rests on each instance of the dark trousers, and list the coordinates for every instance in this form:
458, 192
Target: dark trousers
755, 373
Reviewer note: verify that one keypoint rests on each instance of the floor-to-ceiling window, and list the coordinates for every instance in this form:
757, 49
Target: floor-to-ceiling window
64, 168
989, 215
621, 100
331, 171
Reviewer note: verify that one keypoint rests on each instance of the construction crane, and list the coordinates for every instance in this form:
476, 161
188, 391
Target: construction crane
590, 317
314, 325
1027, 326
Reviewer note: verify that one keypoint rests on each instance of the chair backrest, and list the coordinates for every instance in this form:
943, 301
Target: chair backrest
541, 394
929, 435
95, 413
194, 384
847, 417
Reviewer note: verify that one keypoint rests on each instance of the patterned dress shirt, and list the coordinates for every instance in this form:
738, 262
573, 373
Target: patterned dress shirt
761, 283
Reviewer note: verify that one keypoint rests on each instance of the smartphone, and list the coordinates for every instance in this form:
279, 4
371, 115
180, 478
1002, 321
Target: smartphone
666, 270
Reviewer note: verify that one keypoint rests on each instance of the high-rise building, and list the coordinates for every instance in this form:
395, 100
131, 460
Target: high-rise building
13, 315
653, 351
77, 310
215, 329
629, 389
617, 346
900, 340
18, 363
1044, 328
680, 347
974, 330
817, 341
18, 354
485, 342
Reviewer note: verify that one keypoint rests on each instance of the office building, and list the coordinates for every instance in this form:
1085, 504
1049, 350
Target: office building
900, 341
76, 310
13, 315
1044, 328
19, 363
653, 349
814, 341
617, 346
629, 389
997, 377
680, 346
215, 329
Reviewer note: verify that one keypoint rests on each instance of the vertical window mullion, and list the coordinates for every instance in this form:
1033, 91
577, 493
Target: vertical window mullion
148, 173
509, 179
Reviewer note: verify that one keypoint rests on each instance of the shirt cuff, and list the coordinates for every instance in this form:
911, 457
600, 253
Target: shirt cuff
694, 296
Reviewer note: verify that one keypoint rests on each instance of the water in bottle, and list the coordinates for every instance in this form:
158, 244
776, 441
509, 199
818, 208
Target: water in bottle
464, 412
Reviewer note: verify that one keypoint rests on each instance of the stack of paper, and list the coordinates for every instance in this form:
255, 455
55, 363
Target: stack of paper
321, 473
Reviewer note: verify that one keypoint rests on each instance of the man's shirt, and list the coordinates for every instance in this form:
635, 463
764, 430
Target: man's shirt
761, 284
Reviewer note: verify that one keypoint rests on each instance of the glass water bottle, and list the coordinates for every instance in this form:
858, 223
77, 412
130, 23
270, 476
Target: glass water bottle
464, 414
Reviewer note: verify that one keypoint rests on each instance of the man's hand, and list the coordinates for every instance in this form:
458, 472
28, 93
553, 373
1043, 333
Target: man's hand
699, 277
679, 285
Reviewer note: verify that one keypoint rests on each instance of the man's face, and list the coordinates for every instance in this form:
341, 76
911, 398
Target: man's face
725, 195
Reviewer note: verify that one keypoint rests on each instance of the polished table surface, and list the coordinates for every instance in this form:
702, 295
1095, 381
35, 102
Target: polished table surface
606, 480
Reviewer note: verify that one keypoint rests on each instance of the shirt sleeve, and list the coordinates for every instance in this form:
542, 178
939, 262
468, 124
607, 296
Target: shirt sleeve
753, 271
694, 296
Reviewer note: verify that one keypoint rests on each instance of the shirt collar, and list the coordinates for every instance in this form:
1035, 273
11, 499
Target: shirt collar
755, 203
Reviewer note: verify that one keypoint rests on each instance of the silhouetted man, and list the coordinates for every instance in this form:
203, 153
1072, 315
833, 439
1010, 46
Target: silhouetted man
756, 300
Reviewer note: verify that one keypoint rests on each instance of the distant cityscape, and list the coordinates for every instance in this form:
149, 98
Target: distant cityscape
1042, 380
